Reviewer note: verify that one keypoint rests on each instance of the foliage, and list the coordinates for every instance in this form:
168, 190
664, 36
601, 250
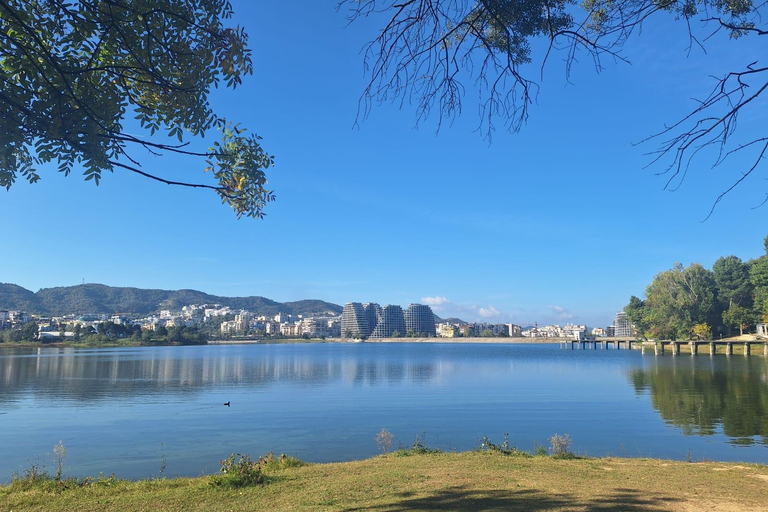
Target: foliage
239, 471
637, 313
679, 298
384, 440
74, 73
733, 283
758, 275
29, 331
702, 331
419, 447
741, 318
560, 446
58, 457
428, 52
486, 445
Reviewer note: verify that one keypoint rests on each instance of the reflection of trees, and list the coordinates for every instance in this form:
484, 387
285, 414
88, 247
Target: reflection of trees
699, 400
99, 375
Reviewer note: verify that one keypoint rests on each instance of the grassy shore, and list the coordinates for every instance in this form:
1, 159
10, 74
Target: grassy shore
470, 481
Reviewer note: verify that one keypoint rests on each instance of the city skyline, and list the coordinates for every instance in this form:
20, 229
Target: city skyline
558, 223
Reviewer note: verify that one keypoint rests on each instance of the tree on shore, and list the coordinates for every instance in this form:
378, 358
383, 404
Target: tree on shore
73, 73
681, 300
429, 52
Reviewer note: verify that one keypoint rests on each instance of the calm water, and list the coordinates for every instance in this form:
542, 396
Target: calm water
124, 410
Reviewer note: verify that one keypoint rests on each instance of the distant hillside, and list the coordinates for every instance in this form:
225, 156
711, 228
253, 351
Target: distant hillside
101, 299
20, 298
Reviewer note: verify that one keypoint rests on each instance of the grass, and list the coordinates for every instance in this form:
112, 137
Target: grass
487, 480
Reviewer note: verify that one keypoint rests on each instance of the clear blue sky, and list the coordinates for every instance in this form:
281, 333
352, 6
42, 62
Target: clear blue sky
559, 223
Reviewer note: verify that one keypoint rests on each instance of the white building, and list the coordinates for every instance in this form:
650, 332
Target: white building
622, 325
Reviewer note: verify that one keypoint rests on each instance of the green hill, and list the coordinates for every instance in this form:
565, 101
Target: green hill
102, 299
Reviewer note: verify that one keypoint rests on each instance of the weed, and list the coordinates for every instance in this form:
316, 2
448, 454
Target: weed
560, 446
539, 450
270, 463
487, 445
239, 471
419, 447
163, 462
384, 440
58, 458
32, 477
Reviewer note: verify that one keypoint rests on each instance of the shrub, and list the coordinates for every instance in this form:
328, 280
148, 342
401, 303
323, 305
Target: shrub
384, 440
486, 445
419, 447
239, 471
560, 446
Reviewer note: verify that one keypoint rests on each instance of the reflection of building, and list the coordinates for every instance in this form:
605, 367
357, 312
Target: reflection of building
354, 320
622, 325
391, 324
419, 320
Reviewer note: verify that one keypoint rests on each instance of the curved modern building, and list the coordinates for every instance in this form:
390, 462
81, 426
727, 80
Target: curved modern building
372, 314
354, 321
419, 320
391, 324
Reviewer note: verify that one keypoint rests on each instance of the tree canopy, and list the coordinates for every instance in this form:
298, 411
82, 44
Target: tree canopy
692, 301
430, 51
74, 71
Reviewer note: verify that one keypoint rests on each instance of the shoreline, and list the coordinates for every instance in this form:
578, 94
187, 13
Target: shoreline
476, 480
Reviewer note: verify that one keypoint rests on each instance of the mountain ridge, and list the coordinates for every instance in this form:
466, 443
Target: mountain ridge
95, 298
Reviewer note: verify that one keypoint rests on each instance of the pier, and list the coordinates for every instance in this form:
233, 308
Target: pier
660, 347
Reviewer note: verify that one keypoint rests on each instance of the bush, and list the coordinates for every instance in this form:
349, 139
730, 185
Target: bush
384, 440
239, 471
560, 446
486, 445
419, 447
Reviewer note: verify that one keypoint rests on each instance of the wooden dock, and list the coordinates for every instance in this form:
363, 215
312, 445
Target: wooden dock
659, 347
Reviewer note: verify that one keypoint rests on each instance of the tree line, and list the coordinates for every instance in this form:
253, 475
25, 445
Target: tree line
107, 332
694, 302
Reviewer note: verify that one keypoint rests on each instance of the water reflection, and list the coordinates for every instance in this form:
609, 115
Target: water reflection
95, 375
703, 395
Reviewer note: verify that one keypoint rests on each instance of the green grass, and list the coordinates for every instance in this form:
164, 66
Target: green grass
487, 480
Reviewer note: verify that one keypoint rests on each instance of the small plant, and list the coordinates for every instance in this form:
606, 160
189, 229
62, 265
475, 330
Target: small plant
239, 471
486, 445
539, 450
419, 447
384, 440
33, 476
58, 458
560, 446
163, 462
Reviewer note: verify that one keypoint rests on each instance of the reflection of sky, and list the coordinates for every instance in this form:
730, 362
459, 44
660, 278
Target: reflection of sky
114, 408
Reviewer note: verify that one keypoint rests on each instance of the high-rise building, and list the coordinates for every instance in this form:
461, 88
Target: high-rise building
419, 320
391, 324
354, 321
622, 325
372, 314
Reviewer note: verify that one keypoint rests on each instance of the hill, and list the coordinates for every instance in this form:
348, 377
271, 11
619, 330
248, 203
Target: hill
102, 299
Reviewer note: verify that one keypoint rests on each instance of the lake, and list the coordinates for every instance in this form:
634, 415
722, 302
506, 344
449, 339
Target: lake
131, 411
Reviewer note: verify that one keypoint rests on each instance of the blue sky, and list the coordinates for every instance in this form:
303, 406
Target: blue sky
558, 223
